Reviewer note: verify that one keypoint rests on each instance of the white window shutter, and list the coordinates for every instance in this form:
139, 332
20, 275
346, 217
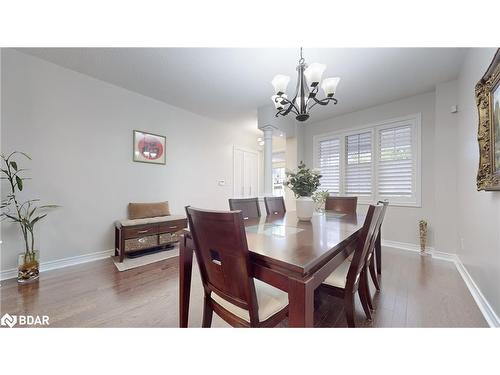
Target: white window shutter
358, 164
395, 164
329, 164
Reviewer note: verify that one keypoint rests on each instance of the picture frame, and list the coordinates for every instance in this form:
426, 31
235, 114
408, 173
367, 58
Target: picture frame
149, 148
488, 135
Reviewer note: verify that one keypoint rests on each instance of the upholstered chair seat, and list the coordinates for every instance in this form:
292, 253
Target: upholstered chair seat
338, 277
269, 299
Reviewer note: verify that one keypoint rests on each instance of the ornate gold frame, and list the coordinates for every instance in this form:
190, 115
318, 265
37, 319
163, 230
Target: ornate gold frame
487, 177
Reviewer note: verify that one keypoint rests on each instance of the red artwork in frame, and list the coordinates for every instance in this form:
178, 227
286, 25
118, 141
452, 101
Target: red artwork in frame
149, 148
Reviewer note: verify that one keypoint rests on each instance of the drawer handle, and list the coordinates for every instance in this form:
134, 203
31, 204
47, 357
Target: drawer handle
143, 231
173, 227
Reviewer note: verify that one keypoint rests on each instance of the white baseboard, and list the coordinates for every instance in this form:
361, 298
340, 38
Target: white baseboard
405, 246
482, 303
60, 263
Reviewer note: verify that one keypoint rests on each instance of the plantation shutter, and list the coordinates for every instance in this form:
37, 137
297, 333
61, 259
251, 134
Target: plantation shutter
395, 164
329, 164
358, 171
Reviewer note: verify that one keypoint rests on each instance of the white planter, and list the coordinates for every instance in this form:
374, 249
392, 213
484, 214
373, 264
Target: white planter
305, 208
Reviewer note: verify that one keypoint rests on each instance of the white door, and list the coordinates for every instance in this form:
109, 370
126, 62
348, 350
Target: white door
250, 174
246, 173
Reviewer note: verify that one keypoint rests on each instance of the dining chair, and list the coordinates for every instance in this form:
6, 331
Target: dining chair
229, 289
371, 256
345, 205
350, 276
275, 205
249, 207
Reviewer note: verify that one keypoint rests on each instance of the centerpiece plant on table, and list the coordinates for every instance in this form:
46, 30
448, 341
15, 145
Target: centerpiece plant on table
303, 182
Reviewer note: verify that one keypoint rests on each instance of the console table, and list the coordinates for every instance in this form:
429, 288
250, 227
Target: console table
142, 234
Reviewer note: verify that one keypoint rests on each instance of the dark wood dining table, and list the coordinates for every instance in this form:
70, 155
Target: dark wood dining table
294, 256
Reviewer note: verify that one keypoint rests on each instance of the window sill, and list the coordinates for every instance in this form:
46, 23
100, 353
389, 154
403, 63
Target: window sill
394, 204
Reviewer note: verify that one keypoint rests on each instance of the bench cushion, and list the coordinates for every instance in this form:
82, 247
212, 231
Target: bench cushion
147, 210
149, 220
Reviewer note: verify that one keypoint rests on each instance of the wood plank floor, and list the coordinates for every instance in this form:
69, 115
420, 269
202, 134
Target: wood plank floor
416, 292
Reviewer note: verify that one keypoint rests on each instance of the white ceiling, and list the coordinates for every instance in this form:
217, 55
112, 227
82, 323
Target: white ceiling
231, 83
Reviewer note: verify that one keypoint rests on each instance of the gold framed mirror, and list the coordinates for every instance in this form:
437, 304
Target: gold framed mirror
488, 134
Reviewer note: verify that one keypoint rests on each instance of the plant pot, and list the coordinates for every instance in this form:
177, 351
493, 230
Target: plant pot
28, 267
305, 208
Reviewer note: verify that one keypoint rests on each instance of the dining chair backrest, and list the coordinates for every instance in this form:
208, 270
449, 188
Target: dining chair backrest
275, 205
222, 253
346, 205
377, 228
249, 207
364, 242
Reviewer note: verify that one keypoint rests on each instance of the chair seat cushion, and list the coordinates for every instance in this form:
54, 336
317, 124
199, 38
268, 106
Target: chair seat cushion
149, 220
338, 277
270, 300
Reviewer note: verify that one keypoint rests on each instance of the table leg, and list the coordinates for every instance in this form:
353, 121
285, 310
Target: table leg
185, 267
300, 303
378, 252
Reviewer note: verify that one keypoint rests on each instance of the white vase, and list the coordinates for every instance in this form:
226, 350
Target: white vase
305, 208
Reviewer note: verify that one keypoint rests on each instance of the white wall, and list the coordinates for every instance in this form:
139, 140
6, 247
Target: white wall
401, 223
478, 212
445, 168
78, 131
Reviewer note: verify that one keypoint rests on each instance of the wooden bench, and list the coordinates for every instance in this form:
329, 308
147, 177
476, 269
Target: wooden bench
143, 234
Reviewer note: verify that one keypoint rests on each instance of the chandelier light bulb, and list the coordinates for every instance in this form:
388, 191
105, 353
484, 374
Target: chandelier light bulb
280, 83
329, 86
313, 74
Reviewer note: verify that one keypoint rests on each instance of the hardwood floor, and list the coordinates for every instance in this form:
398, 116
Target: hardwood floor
416, 292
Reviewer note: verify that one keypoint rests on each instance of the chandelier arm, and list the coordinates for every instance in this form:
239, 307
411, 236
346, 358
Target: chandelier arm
314, 91
284, 112
324, 101
290, 107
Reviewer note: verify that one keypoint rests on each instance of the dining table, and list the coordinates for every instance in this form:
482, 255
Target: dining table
292, 255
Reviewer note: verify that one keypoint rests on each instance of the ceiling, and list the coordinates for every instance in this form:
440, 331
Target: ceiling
231, 83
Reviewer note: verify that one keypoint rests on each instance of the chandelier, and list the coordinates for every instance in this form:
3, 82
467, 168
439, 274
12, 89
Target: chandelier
308, 83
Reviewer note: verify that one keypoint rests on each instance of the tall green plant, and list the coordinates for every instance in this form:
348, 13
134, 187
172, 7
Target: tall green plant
304, 182
26, 213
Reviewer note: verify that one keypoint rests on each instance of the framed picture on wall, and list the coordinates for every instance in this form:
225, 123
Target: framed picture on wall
488, 135
149, 148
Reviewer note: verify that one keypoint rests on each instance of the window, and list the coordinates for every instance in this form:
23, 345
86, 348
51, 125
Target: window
278, 180
358, 164
374, 163
395, 165
329, 164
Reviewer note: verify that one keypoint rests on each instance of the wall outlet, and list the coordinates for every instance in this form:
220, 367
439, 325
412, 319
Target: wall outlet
221, 182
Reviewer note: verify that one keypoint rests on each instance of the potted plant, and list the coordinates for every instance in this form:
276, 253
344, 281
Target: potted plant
304, 182
26, 214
